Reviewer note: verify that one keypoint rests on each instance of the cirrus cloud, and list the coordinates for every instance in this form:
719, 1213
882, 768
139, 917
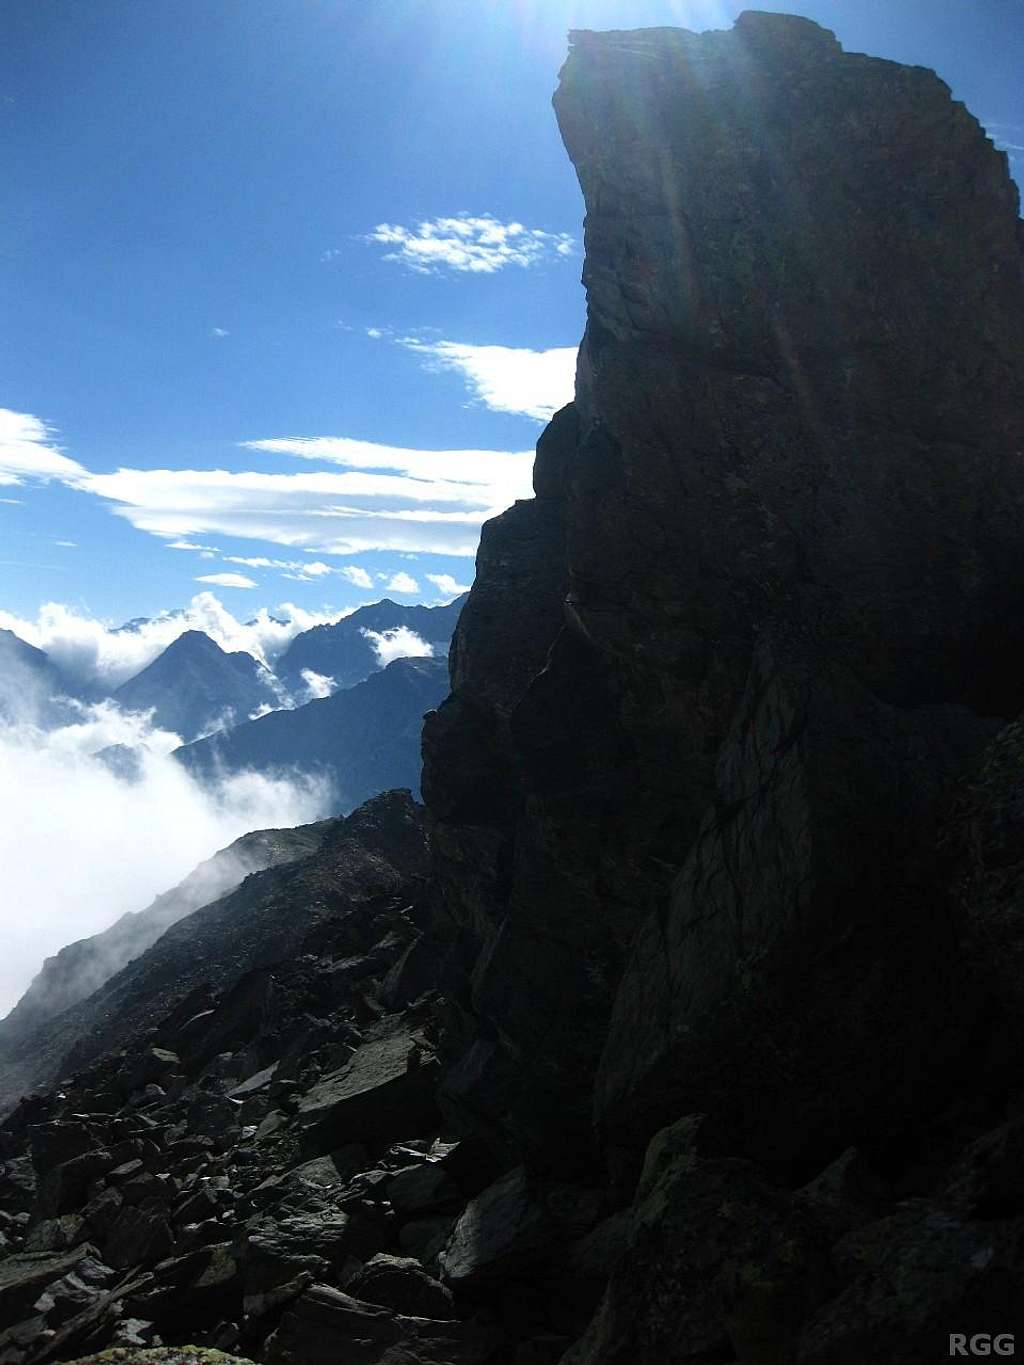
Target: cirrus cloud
382, 498
27, 450
227, 580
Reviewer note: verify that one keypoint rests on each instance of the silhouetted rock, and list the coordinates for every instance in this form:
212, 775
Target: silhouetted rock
791, 555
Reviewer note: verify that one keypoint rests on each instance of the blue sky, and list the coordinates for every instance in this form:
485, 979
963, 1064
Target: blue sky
214, 264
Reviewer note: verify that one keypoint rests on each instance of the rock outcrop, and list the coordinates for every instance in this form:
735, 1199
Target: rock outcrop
787, 509
686, 1026
702, 837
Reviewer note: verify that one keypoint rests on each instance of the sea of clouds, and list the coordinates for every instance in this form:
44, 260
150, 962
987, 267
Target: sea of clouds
81, 842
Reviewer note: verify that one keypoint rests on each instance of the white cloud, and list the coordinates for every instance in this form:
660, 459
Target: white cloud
447, 585
318, 685
400, 643
227, 580
469, 245
357, 576
327, 513
27, 451
375, 333
402, 582
385, 498
67, 544
219, 333
299, 570
94, 653
118, 843
13, 502
506, 378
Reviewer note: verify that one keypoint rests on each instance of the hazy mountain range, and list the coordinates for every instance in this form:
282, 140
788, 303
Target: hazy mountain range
344, 702
365, 738
194, 687
349, 650
32, 687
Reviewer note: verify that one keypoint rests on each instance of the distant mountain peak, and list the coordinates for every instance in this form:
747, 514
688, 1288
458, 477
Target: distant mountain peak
194, 686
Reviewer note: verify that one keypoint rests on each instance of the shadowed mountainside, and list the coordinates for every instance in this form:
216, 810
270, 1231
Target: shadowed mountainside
81, 968
365, 739
194, 686
343, 652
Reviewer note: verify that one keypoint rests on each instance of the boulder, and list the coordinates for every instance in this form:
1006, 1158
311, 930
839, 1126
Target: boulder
25, 1275
401, 1283
425, 1238
422, 1189
58, 1234
199, 1288
62, 1188
385, 1091
139, 1234
325, 1325
911, 1279
520, 1226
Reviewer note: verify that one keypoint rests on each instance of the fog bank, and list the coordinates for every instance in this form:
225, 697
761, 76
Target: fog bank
81, 844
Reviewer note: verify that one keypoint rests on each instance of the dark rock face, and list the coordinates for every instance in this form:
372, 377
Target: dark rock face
364, 739
791, 507
813, 887
803, 339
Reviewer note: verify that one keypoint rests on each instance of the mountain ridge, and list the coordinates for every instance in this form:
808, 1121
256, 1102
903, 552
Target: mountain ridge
82, 967
193, 684
364, 738
341, 651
